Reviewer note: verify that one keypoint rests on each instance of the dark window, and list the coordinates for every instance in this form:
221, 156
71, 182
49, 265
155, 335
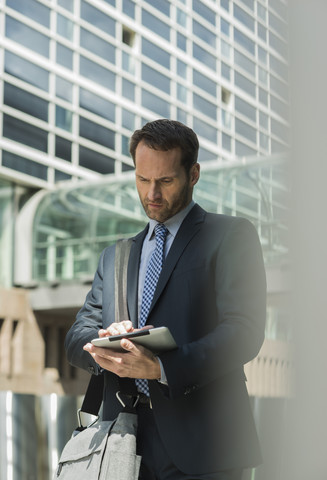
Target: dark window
97, 133
25, 102
24, 165
96, 161
61, 176
63, 148
25, 133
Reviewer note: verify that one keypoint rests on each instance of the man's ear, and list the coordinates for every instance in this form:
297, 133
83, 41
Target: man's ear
195, 173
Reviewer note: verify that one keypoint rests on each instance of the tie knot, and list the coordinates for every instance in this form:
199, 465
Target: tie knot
160, 231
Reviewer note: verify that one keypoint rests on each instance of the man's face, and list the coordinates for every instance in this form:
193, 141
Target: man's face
163, 186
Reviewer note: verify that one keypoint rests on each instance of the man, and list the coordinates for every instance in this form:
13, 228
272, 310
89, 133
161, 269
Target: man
210, 294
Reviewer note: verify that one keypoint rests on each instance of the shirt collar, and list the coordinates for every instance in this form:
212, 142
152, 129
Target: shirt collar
172, 223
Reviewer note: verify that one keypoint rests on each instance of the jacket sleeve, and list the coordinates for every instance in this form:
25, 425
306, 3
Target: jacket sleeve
240, 290
88, 320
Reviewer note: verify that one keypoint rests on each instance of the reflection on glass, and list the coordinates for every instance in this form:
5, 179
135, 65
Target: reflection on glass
226, 119
128, 90
65, 27
64, 89
27, 36
64, 56
96, 73
128, 63
98, 105
97, 45
32, 9
64, 118
25, 133
25, 102
27, 71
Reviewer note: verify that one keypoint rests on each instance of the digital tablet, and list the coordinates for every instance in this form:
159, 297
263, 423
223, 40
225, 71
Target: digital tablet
157, 340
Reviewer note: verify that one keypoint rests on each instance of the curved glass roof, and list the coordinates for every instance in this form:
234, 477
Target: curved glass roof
74, 223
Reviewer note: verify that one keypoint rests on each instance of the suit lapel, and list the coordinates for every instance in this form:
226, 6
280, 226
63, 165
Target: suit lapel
189, 228
133, 275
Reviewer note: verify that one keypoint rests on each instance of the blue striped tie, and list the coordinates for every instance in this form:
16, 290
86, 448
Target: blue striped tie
150, 283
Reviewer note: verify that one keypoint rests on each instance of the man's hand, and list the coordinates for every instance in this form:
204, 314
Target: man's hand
117, 329
137, 362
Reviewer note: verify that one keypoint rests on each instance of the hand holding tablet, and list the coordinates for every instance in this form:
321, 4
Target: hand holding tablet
157, 340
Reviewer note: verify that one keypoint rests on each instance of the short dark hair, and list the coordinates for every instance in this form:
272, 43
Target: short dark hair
163, 135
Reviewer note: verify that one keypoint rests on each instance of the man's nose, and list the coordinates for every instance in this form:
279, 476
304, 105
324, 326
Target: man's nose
154, 192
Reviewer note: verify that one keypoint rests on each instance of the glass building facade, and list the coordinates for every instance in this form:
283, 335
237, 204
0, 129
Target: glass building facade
78, 76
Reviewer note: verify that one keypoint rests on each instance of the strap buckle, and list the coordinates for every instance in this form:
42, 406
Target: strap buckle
79, 418
134, 398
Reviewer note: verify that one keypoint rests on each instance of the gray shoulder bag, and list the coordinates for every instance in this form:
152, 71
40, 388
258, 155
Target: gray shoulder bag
105, 449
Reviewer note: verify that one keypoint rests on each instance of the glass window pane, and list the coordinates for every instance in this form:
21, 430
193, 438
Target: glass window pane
205, 155
262, 32
64, 56
67, 4
155, 25
245, 130
181, 17
243, 150
245, 84
128, 63
248, 3
25, 102
162, 5
244, 62
96, 45
111, 2
25, 133
203, 56
96, 104
61, 176
263, 55
226, 50
64, 89
129, 8
32, 9
27, 71
204, 83
64, 118
65, 27
224, 27
181, 93
244, 17
96, 73
205, 12
30, 38
181, 69
262, 12
181, 116
204, 106
128, 119
96, 133
263, 120
156, 53
226, 142
98, 18
245, 108
263, 96
181, 42
155, 104
205, 130
278, 67
278, 45
244, 41
128, 90
24, 165
204, 34
125, 145
155, 78
95, 161
225, 71
224, 4
63, 148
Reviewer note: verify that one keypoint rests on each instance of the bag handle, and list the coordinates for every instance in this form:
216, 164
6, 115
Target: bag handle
94, 393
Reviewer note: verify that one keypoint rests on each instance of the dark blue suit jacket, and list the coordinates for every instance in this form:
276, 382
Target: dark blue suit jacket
212, 296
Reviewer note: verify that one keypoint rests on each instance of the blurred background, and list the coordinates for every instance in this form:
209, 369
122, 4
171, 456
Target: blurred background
77, 77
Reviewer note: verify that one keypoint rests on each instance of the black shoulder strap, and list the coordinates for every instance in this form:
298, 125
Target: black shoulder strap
94, 393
